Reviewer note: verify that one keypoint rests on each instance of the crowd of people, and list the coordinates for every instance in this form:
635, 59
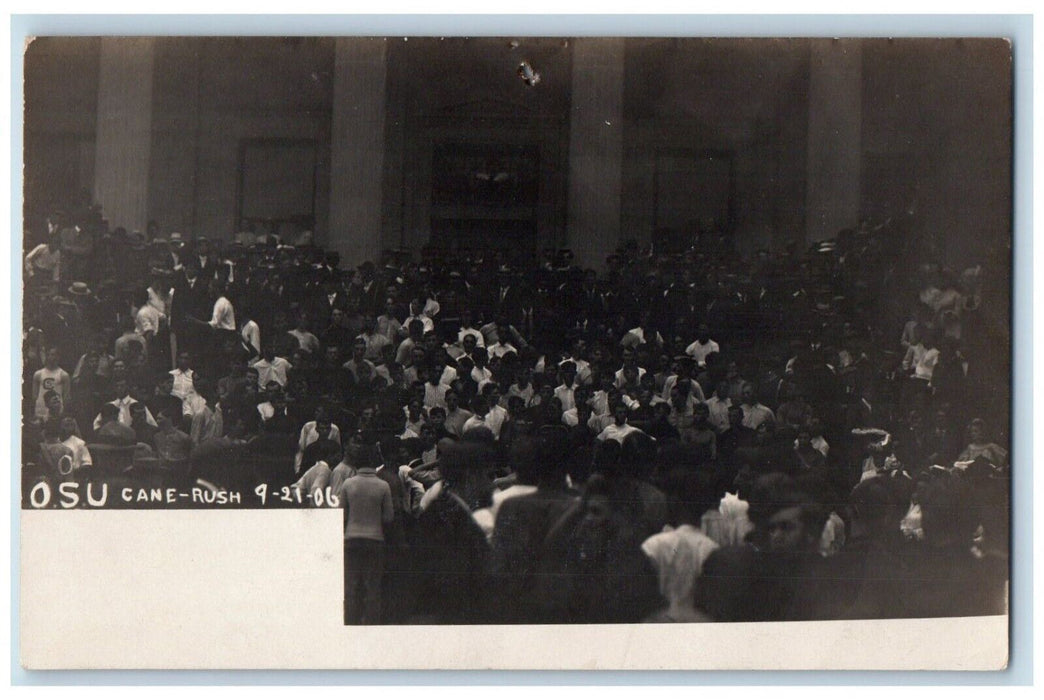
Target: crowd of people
695, 436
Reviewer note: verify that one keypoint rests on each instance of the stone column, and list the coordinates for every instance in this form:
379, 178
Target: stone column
595, 149
124, 132
357, 149
832, 193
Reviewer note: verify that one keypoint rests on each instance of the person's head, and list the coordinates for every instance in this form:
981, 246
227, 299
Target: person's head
701, 412
237, 365
620, 413
68, 427
53, 402
516, 406
747, 394
137, 413
184, 361
332, 355
363, 374
469, 343
702, 333
735, 416
51, 358
627, 355
480, 405
976, 431
109, 413
437, 417
191, 267
876, 507
795, 523
492, 392
452, 399
680, 395
567, 372
416, 330
416, 306
721, 390
358, 349
503, 330
253, 378
121, 388
91, 361
323, 424
427, 435
431, 341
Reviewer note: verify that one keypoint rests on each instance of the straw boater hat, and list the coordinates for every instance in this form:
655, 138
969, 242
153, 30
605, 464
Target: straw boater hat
177, 240
79, 289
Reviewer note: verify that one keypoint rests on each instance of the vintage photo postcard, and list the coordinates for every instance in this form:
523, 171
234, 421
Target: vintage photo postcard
516, 352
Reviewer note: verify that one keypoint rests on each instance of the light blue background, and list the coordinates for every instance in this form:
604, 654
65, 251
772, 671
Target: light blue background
1019, 28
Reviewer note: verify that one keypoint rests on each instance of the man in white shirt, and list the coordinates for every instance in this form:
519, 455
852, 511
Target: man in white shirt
485, 417
499, 349
583, 367
148, 318
466, 329
702, 346
754, 413
375, 342
306, 340
123, 402
224, 317
565, 392
456, 416
388, 324
481, 373
685, 367
81, 457
718, 405
619, 429
417, 313
184, 376
434, 389
628, 357
271, 368
319, 429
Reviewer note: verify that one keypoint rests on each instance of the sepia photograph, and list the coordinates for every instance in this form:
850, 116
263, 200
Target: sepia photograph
564, 330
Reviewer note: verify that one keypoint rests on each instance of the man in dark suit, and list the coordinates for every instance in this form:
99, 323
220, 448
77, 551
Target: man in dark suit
204, 255
321, 305
190, 309
506, 300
